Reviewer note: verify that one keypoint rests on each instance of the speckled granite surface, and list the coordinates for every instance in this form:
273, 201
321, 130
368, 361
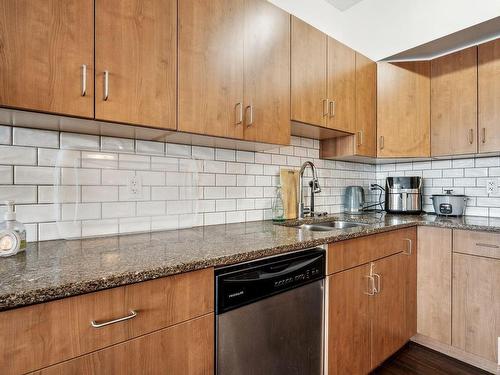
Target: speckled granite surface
56, 269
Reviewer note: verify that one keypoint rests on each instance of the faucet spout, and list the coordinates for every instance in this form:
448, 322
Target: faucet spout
315, 189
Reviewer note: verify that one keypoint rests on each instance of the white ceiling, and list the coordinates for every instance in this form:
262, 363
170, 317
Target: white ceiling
383, 28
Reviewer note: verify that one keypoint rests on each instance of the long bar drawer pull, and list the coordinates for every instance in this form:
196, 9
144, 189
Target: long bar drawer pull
377, 288
372, 288
95, 324
487, 245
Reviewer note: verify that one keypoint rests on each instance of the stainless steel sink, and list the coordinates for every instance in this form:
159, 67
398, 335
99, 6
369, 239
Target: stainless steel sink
331, 225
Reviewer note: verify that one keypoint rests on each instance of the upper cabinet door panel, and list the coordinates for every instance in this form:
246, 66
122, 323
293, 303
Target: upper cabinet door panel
267, 73
309, 74
454, 103
489, 96
210, 97
136, 44
366, 106
43, 47
403, 109
341, 86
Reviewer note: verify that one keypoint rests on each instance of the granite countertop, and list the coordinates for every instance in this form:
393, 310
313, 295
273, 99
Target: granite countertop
56, 269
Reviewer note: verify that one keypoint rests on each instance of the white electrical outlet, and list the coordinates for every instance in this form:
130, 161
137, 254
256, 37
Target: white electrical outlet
134, 187
492, 187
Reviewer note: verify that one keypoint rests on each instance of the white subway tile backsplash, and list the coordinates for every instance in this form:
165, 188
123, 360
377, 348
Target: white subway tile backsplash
214, 218
49, 157
15, 155
80, 176
235, 168
167, 164
463, 163
36, 213
58, 194
35, 137
134, 224
476, 172
225, 180
137, 162
203, 153
52, 231
116, 177
149, 147
235, 216
151, 178
262, 158
211, 166
183, 151
5, 135
118, 209
235, 192
80, 211
167, 222
245, 180
214, 192
79, 141
151, 208
99, 227
6, 174
245, 156
99, 193
36, 175
117, 144
99, 160
164, 193
18, 194
179, 207
225, 205
225, 155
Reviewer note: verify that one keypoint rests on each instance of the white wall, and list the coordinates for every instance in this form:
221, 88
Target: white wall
382, 28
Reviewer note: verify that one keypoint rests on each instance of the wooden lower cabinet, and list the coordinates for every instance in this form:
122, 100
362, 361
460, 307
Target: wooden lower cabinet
434, 283
371, 312
349, 322
187, 348
476, 305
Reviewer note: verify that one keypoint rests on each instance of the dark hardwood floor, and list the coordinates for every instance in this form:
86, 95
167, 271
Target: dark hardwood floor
415, 359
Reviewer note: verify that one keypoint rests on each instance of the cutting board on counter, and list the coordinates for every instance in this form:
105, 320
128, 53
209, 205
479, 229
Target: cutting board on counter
289, 179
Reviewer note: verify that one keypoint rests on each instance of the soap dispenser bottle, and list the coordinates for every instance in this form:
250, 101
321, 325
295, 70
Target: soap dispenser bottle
12, 233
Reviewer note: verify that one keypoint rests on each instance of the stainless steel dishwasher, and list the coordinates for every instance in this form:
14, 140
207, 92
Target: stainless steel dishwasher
270, 315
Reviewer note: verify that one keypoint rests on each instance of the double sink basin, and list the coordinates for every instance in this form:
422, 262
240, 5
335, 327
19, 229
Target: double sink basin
331, 225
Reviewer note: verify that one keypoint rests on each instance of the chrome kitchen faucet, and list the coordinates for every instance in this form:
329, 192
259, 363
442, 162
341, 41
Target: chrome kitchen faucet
315, 189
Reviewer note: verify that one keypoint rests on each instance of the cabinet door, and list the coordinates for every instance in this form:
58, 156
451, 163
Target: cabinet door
476, 305
410, 277
388, 308
403, 110
210, 98
341, 86
309, 74
434, 283
366, 107
454, 103
187, 348
136, 44
267, 73
489, 96
349, 320
44, 45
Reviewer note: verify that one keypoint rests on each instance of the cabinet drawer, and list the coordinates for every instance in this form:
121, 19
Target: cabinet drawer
351, 253
477, 243
186, 348
44, 334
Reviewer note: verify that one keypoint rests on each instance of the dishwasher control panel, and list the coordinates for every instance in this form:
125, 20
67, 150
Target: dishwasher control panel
250, 282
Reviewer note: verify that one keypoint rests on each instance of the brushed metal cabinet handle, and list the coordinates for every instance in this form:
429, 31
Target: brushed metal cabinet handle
360, 138
105, 323
480, 244
382, 142
377, 288
106, 85
325, 107
371, 290
483, 138
409, 250
238, 108
84, 80
331, 108
250, 121
471, 136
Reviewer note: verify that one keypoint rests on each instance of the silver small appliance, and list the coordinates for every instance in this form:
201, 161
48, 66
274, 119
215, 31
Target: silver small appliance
354, 199
403, 195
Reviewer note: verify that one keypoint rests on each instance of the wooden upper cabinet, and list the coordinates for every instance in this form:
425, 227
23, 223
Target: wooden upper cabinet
210, 93
267, 73
341, 86
136, 44
44, 45
454, 103
489, 96
309, 74
366, 107
403, 109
